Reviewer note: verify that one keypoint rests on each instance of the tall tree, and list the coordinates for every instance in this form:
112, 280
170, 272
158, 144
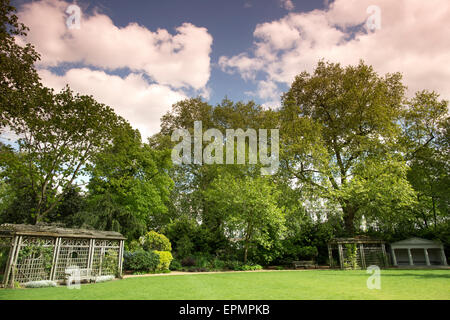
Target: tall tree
334, 120
57, 138
427, 140
18, 77
249, 208
129, 185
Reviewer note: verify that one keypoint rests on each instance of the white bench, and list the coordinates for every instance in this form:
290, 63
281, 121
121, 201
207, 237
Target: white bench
304, 264
72, 273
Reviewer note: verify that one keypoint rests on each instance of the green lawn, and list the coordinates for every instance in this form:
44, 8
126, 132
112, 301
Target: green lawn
309, 284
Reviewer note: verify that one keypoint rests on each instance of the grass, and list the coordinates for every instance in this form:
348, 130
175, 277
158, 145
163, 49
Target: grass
309, 284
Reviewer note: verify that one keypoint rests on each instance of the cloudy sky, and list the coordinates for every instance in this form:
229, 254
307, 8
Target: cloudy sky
140, 57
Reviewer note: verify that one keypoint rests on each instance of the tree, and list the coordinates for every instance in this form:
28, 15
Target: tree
333, 121
129, 184
426, 136
250, 209
57, 138
18, 77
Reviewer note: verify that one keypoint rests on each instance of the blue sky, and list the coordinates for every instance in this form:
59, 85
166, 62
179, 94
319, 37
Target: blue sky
141, 56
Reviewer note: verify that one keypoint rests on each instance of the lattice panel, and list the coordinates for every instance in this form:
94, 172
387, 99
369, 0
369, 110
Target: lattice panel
105, 261
34, 241
71, 256
374, 256
107, 243
31, 269
68, 242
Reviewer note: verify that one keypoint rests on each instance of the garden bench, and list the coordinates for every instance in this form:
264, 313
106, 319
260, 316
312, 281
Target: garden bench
85, 274
304, 264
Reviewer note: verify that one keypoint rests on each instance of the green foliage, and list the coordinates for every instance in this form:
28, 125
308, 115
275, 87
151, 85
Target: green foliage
175, 265
141, 260
4, 255
351, 255
111, 262
165, 258
128, 181
134, 245
250, 207
59, 135
336, 119
37, 251
17, 71
156, 241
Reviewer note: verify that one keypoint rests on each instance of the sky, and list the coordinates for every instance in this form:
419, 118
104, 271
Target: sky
140, 57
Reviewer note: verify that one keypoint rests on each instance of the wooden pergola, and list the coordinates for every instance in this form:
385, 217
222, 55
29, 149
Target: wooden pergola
368, 252
38, 252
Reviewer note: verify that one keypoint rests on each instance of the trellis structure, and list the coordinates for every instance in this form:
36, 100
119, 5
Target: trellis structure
358, 252
31, 253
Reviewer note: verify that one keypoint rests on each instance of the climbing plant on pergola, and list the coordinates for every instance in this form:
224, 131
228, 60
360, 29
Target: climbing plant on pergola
358, 252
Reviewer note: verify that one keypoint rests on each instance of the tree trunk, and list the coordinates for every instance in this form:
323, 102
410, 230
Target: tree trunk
349, 218
245, 252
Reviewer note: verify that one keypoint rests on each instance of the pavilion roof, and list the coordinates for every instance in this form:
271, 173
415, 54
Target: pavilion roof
56, 231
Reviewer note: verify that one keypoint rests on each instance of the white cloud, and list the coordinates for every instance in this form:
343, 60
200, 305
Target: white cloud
179, 60
413, 39
287, 4
174, 63
132, 97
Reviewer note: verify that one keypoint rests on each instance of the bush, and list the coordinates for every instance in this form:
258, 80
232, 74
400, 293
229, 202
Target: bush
40, 284
156, 241
307, 252
134, 246
188, 262
175, 265
165, 258
103, 278
141, 261
218, 264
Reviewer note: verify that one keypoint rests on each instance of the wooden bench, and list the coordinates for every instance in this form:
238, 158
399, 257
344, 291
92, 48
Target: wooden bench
85, 274
304, 264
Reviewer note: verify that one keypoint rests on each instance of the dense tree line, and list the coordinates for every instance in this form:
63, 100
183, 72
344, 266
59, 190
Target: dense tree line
357, 156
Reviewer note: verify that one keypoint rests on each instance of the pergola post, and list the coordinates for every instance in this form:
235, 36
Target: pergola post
361, 254
394, 258
12, 252
427, 259
14, 262
330, 256
411, 263
91, 253
443, 258
341, 256
383, 248
55, 258
120, 258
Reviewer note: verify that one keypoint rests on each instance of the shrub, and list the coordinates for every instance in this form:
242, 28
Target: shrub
40, 284
218, 264
165, 258
175, 265
103, 278
188, 262
134, 246
307, 252
156, 241
239, 266
141, 261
